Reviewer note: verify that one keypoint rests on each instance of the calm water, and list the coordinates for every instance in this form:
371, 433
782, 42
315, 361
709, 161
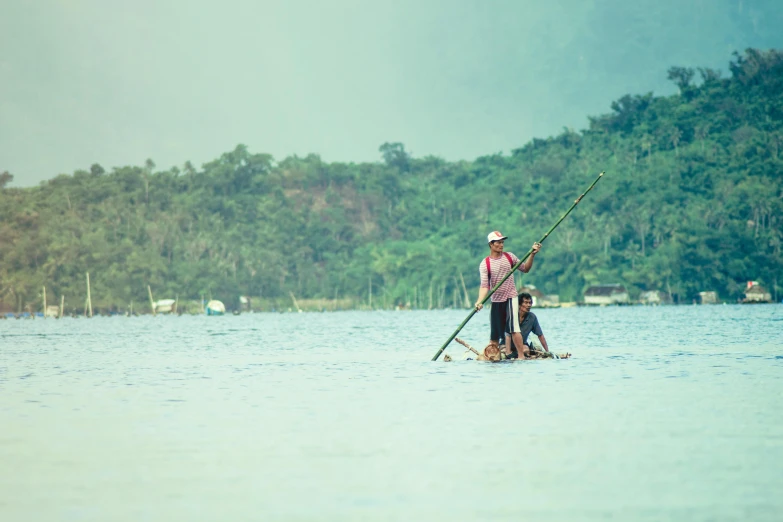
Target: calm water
668, 413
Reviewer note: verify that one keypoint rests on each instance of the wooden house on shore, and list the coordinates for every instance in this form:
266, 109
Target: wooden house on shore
165, 306
606, 295
755, 293
655, 297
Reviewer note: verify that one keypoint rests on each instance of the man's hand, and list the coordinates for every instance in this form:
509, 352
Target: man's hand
536, 247
479, 306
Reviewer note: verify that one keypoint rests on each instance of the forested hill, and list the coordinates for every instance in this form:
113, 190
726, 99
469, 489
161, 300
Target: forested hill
692, 200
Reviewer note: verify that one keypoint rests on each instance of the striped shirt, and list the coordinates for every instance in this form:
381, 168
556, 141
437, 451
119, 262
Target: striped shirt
499, 268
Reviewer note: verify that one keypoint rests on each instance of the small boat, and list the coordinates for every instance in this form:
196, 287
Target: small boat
215, 307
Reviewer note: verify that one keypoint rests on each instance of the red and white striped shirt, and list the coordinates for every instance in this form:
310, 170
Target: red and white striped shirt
499, 268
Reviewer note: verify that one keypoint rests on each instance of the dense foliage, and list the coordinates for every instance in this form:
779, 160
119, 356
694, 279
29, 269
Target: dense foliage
692, 200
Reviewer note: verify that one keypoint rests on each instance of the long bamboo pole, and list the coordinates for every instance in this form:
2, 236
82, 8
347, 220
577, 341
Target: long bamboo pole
44, 301
513, 269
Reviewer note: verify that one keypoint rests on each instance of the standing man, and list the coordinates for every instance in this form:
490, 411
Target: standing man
503, 315
528, 322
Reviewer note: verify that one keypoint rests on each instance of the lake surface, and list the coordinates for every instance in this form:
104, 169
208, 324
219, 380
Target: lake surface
663, 413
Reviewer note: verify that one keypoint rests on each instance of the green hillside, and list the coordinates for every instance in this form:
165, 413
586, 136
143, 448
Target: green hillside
692, 200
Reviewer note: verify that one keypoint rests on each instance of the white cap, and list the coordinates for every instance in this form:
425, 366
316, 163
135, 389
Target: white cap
495, 236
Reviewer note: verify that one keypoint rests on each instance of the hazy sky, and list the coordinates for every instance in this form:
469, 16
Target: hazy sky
115, 83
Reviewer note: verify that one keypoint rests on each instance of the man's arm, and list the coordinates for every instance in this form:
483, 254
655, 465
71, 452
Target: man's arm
483, 280
529, 261
543, 342
482, 294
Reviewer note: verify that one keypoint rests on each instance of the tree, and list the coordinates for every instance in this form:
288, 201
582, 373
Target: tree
243, 223
5, 178
395, 156
682, 77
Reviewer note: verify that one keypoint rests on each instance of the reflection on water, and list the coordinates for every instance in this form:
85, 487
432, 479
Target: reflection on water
668, 413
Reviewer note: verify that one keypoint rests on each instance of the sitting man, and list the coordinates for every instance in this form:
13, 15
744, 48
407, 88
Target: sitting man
528, 322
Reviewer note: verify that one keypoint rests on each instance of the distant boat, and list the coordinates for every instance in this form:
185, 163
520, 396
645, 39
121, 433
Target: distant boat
215, 307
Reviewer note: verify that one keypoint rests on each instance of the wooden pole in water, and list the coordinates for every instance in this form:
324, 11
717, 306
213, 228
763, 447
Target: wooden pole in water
513, 269
44, 301
62, 306
152, 303
89, 299
296, 305
466, 345
464, 289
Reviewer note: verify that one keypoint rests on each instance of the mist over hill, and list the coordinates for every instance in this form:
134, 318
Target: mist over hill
456, 79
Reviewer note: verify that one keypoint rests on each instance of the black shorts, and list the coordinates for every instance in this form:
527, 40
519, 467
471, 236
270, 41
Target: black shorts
504, 319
